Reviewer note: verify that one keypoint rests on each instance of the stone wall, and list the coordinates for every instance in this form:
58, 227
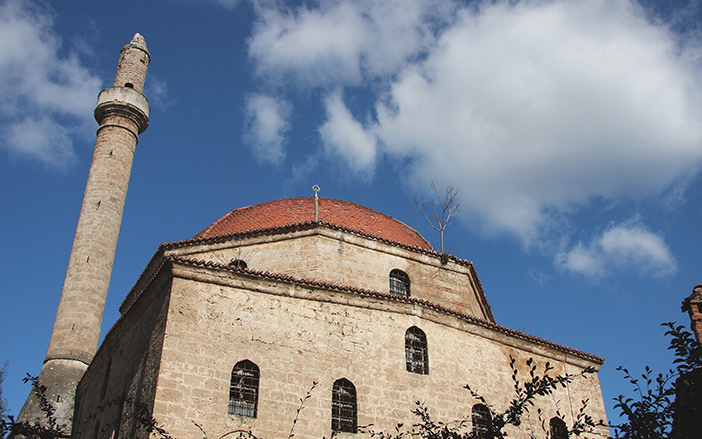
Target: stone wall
329, 255
298, 335
190, 318
121, 381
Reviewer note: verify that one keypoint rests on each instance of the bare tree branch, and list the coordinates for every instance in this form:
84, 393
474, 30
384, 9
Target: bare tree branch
447, 206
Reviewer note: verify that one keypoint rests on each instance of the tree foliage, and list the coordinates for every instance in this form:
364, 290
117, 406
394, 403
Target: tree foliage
3, 404
539, 384
650, 412
50, 428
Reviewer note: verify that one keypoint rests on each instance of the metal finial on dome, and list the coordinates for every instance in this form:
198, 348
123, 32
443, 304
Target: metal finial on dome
315, 188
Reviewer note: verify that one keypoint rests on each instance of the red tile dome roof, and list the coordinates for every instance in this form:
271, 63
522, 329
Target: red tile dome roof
338, 213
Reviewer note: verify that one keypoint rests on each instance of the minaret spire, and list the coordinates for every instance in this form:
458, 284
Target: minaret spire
122, 112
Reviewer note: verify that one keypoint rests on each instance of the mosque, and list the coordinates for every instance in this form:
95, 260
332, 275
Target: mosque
314, 309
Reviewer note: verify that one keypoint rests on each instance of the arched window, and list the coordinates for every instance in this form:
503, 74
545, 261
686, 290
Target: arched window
399, 283
558, 429
482, 422
344, 406
238, 263
243, 391
416, 355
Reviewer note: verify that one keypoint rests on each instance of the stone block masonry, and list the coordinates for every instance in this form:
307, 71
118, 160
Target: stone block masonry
123, 113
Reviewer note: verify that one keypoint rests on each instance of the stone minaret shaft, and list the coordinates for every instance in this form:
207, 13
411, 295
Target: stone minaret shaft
123, 113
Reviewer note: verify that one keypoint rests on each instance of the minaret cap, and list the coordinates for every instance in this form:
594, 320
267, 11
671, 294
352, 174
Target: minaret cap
138, 42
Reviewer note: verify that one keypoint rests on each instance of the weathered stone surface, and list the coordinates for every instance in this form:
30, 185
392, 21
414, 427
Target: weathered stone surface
122, 113
299, 332
328, 255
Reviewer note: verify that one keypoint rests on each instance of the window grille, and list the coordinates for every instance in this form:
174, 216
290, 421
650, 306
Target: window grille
243, 391
559, 430
399, 283
482, 422
344, 406
416, 355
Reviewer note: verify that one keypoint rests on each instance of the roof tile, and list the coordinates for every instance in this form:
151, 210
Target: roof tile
293, 211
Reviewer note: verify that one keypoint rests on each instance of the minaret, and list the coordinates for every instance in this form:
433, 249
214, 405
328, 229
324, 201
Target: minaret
122, 112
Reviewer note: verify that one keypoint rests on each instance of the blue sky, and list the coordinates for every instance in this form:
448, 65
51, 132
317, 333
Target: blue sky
572, 129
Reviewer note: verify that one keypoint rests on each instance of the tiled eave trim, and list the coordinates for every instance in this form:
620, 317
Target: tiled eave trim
370, 293
135, 292
479, 286
308, 225
142, 284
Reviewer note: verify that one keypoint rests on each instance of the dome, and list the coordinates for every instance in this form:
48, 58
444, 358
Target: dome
338, 213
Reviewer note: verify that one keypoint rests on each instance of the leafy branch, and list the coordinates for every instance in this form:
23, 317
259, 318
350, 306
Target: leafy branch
48, 429
650, 414
539, 384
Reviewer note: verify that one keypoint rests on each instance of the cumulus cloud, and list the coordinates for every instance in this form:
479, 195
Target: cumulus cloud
533, 108
267, 123
43, 138
343, 42
45, 98
624, 247
344, 136
543, 106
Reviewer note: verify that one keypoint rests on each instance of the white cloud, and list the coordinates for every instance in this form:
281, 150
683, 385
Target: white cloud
41, 89
532, 109
625, 247
543, 106
267, 123
41, 138
343, 42
345, 137
157, 91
